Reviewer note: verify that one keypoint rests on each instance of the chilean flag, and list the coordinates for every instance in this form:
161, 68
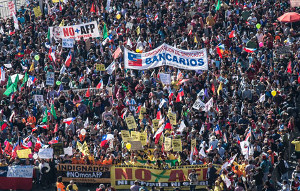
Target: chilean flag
168, 124
43, 126
105, 139
68, 60
171, 94
218, 130
232, 34
31, 80
81, 78
158, 133
100, 85
179, 95
248, 135
97, 126
238, 139
69, 120
124, 114
156, 17
38, 145
249, 50
158, 114
179, 75
53, 141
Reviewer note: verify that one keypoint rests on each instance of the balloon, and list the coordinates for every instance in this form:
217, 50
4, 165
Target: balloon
35, 156
137, 50
261, 44
37, 57
82, 131
258, 26
273, 93
118, 16
128, 146
58, 83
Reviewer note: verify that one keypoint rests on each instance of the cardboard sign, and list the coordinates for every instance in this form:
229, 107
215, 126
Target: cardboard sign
136, 145
143, 138
58, 149
68, 43
165, 78
168, 143
172, 117
100, 67
68, 151
50, 78
199, 105
37, 11
193, 144
125, 135
38, 98
135, 136
46, 153
130, 121
24, 153
176, 144
155, 123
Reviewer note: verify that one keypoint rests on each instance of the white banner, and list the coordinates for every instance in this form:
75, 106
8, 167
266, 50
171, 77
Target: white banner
85, 30
199, 104
46, 153
68, 151
166, 55
165, 78
20, 171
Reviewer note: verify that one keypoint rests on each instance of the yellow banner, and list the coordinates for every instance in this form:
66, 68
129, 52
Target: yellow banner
176, 144
130, 122
23, 153
135, 136
125, 135
123, 176
37, 11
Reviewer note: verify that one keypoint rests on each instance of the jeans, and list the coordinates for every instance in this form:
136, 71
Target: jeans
192, 187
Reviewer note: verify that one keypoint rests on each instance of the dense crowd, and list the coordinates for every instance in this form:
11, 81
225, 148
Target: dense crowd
253, 83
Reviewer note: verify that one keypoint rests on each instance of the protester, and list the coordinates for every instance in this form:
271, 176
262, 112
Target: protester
81, 95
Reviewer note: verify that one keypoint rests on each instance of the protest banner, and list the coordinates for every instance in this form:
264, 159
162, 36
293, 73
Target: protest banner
176, 144
84, 30
68, 151
38, 98
165, 78
135, 136
58, 149
170, 162
84, 173
50, 78
37, 11
24, 153
125, 135
12, 8
136, 145
167, 143
100, 67
130, 121
143, 138
166, 55
123, 176
155, 123
46, 153
172, 117
198, 105
68, 43
16, 177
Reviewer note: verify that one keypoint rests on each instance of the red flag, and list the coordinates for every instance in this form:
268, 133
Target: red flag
191, 32
139, 109
8, 148
195, 151
213, 88
49, 54
56, 128
93, 9
4, 125
232, 34
289, 68
38, 145
117, 53
88, 93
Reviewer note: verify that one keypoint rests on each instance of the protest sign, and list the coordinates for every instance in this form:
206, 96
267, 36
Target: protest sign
84, 30
24, 153
50, 78
155, 123
58, 149
84, 173
100, 67
136, 145
172, 117
68, 43
176, 144
135, 136
143, 138
20, 171
16, 177
199, 104
46, 153
165, 78
68, 151
37, 11
123, 176
167, 144
38, 98
166, 55
130, 121
125, 135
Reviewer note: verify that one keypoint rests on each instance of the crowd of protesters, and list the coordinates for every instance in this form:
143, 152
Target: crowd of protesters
259, 89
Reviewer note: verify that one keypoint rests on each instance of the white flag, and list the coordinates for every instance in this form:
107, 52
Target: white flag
208, 105
88, 70
16, 22
229, 162
86, 123
202, 152
63, 69
262, 98
111, 68
129, 43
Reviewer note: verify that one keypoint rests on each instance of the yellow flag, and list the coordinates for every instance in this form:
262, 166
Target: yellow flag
79, 146
31, 67
219, 88
62, 23
85, 149
195, 40
138, 30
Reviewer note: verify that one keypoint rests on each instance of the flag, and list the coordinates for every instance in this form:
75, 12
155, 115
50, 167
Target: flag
62, 23
8, 148
69, 59
158, 133
2, 76
111, 68
55, 128
139, 108
181, 127
158, 114
100, 85
25, 79
163, 101
129, 43
249, 50
97, 126
10, 90
150, 42
179, 75
289, 67
3, 126
88, 93
138, 30
218, 6
190, 32
44, 126
202, 152
229, 162
45, 118
53, 111
93, 10
51, 54
156, 17
124, 114
68, 120
213, 87
219, 88
31, 67
262, 98
238, 139
232, 34
86, 123
105, 139
16, 22
220, 49
218, 130
117, 53
31, 80
179, 95
168, 124
248, 135
53, 141
171, 94
225, 138
38, 145
15, 148
210, 148
105, 33
195, 39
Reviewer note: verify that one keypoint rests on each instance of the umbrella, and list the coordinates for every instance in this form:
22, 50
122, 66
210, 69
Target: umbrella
289, 17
